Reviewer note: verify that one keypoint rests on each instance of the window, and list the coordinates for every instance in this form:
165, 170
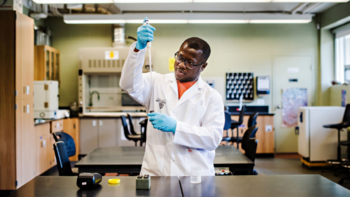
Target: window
342, 53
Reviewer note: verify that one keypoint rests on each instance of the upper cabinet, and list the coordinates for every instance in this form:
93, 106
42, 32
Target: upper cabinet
46, 63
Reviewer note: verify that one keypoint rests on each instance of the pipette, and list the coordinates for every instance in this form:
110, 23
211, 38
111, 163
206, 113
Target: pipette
150, 60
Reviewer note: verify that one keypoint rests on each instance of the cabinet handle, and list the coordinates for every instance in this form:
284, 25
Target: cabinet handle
26, 90
101, 123
26, 109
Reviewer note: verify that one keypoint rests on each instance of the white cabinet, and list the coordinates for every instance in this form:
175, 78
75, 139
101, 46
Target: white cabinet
107, 134
97, 132
88, 135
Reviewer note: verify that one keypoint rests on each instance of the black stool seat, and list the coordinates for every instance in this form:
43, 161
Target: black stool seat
337, 126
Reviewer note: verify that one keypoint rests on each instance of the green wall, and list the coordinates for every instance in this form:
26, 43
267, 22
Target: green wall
68, 39
235, 48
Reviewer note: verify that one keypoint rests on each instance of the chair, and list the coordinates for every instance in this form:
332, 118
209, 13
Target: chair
235, 125
344, 124
68, 142
251, 123
131, 125
128, 134
227, 126
63, 163
250, 144
143, 125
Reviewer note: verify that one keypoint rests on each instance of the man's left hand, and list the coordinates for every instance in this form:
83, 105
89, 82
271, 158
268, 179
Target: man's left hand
162, 122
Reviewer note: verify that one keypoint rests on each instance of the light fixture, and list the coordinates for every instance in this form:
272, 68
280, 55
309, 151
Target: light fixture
218, 21
181, 18
175, 1
309, 1
108, 1
276, 21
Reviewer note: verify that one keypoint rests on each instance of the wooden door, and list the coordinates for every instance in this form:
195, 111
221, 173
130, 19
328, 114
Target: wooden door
25, 142
24, 56
71, 126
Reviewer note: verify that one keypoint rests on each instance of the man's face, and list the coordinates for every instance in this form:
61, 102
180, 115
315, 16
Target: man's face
184, 74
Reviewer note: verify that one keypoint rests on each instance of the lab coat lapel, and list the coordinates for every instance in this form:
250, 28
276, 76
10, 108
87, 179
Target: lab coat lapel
195, 89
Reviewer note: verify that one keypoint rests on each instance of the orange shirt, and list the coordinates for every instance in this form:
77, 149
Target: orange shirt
182, 87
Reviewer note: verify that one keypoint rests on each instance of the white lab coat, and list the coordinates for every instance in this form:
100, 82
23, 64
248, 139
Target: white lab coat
199, 114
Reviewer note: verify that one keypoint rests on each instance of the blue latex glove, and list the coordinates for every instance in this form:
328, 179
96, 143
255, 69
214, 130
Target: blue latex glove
162, 122
144, 35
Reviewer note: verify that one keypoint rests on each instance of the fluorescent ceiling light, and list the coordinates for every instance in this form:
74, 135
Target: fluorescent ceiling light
275, 21
159, 21
310, 1
174, 18
174, 1
231, 1
94, 21
218, 21
109, 1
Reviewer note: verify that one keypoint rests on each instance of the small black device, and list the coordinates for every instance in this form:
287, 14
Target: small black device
88, 180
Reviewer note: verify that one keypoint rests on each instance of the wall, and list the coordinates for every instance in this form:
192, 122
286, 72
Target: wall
235, 47
68, 39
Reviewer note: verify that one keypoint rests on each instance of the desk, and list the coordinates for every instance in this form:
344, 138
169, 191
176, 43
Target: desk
46, 186
263, 186
129, 160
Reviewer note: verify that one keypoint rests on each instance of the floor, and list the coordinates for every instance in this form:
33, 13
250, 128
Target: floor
280, 164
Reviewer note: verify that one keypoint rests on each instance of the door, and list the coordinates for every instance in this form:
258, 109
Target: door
25, 142
88, 135
289, 72
24, 56
107, 134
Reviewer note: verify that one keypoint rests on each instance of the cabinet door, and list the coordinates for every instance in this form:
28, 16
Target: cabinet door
25, 143
107, 134
24, 56
51, 152
88, 135
71, 126
57, 125
42, 133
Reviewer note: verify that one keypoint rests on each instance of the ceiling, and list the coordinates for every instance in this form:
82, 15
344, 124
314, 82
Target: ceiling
224, 7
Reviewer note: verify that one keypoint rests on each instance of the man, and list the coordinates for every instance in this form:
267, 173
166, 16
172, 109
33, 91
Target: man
188, 118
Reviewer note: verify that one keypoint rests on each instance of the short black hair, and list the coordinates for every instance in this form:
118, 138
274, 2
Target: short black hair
198, 44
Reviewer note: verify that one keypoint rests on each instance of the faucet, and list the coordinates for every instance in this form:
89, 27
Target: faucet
90, 97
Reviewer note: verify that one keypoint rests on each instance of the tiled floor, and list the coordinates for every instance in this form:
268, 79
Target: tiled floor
281, 164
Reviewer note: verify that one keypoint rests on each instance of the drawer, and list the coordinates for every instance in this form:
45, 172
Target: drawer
56, 125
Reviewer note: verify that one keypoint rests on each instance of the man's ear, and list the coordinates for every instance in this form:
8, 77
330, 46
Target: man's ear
204, 66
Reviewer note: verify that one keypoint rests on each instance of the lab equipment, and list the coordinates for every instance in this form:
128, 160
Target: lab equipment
316, 143
143, 182
162, 122
88, 180
196, 175
45, 99
239, 85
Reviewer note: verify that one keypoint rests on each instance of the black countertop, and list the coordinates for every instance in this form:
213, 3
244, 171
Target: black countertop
51, 186
264, 186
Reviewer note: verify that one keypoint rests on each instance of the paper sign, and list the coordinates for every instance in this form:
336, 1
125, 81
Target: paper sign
111, 55
293, 70
261, 101
171, 64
